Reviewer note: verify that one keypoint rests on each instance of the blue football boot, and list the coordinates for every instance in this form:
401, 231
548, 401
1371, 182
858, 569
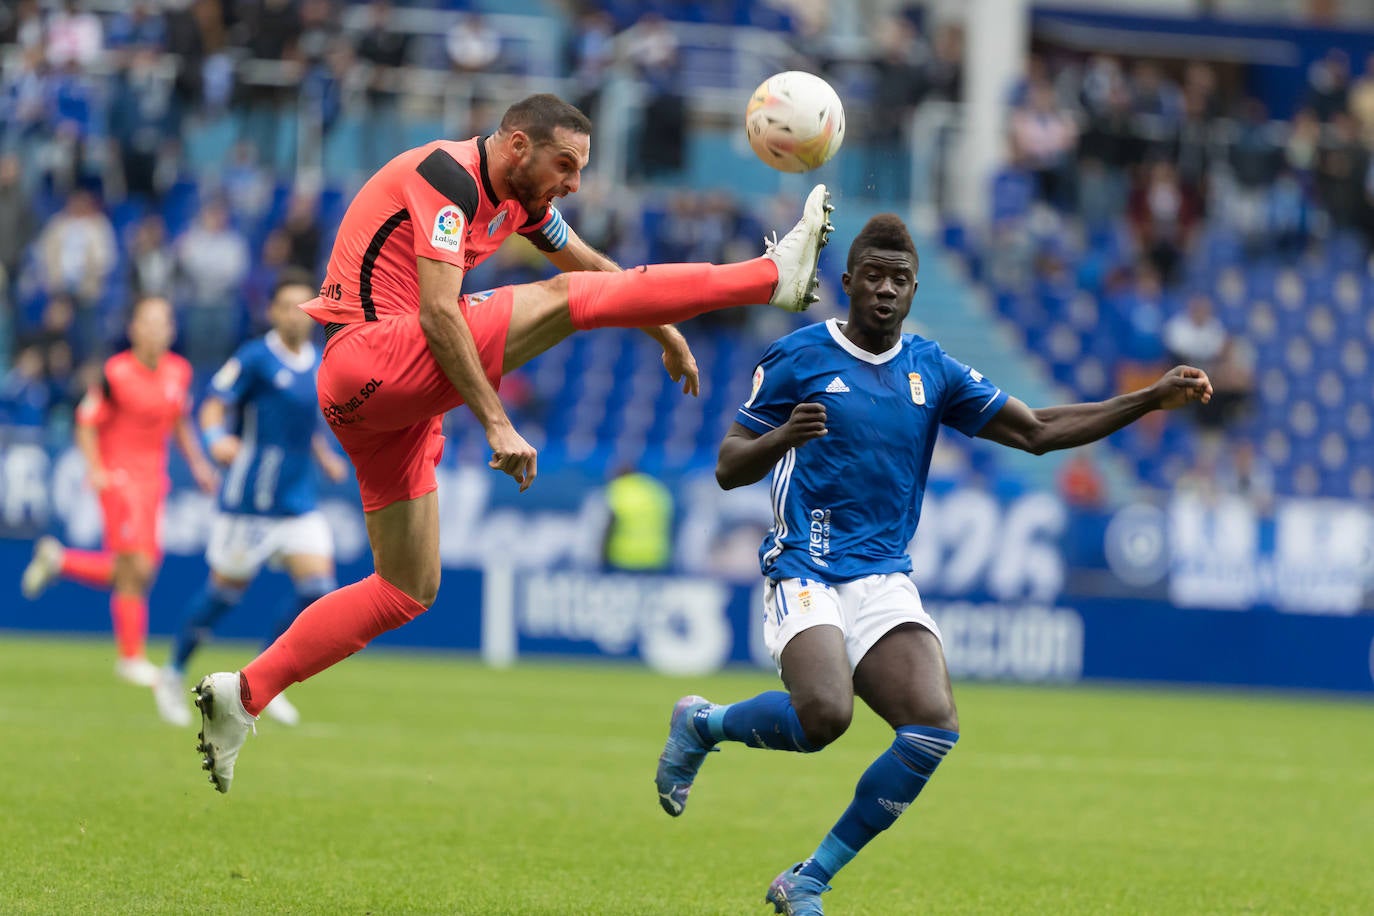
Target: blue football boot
795, 894
682, 756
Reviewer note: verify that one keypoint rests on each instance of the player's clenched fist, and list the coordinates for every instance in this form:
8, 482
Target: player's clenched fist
807, 422
511, 454
1181, 385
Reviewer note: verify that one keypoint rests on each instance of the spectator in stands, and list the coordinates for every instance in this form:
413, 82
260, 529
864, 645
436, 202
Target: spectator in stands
17, 224
22, 25
1303, 145
269, 30
1235, 370
898, 85
141, 119
1164, 214
152, 266
651, 47
1255, 160
590, 56
1328, 84
1109, 148
1247, 473
382, 49
261, 282
1340, 174
943, 73
302, 229
1288, 216
51, 340
140, 25
1195, 336
213, 260
75, 37
473, 45
1361, 103
77, 253
24, 392
25, 97
1156, 100
246, 186
1044, 137
1080, 481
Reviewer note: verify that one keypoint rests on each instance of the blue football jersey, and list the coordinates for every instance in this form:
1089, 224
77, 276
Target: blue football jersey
846, 505
273, 390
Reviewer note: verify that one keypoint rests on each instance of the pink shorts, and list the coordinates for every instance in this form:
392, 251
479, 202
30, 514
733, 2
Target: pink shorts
385, 396
133, 516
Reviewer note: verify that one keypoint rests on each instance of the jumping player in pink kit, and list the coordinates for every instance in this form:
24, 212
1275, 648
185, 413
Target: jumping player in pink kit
405, 345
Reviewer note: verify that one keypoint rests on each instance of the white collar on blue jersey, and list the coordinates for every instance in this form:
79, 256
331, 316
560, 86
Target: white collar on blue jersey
858, 352
297, 361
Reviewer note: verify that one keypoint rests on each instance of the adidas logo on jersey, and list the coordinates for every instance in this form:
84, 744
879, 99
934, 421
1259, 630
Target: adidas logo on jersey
836, 384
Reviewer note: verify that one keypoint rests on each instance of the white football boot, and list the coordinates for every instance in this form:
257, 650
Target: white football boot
799, 251
224, 725
137, 671
283, 710
169, 692
43, 569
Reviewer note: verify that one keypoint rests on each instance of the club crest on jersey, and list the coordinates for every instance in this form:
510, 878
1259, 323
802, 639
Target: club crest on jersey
758, 383
495, 223
448, 227
227, 375
918, 388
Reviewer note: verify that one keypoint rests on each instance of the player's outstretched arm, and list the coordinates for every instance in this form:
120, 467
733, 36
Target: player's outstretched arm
222, 444
333, 466
450, 341
207, 478
90, 413
746, 456
677, 355
1047, 429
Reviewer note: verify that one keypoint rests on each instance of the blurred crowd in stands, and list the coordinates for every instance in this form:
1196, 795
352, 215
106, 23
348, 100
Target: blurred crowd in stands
1150, 212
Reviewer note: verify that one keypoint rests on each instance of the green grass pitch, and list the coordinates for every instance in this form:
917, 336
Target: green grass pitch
429, 784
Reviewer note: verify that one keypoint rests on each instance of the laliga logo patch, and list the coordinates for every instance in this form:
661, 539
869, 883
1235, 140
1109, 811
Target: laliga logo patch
918, 388
447, 229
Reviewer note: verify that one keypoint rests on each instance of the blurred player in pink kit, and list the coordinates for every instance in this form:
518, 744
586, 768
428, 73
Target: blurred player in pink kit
122, 428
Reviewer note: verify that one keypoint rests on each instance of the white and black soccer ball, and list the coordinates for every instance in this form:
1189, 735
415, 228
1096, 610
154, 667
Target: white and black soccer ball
794, 121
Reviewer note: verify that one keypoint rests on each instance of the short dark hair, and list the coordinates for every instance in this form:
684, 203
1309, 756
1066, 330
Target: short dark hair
293, 276
540, 115
885, 232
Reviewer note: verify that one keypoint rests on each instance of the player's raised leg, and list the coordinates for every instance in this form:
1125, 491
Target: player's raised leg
904, 680
785, 276
405, 553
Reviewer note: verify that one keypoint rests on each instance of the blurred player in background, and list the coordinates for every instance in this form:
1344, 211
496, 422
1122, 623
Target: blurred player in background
122, 429
267, 508
845, 414
405, 346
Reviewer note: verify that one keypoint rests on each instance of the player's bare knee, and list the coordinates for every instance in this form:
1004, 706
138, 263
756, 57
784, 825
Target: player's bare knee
824, 718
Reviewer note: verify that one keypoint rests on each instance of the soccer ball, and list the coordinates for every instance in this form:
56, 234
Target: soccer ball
794, 121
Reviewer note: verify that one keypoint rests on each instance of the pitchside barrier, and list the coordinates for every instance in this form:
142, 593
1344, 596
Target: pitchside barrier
1025, 589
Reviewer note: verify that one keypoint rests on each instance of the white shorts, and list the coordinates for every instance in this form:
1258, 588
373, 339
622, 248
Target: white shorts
864, 610
240, 544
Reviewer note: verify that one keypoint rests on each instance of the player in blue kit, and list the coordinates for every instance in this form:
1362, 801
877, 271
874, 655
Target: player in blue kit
262, 420
845, 415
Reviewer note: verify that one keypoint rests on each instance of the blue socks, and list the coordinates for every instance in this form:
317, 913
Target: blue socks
886, 789
768, 720
204, 611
